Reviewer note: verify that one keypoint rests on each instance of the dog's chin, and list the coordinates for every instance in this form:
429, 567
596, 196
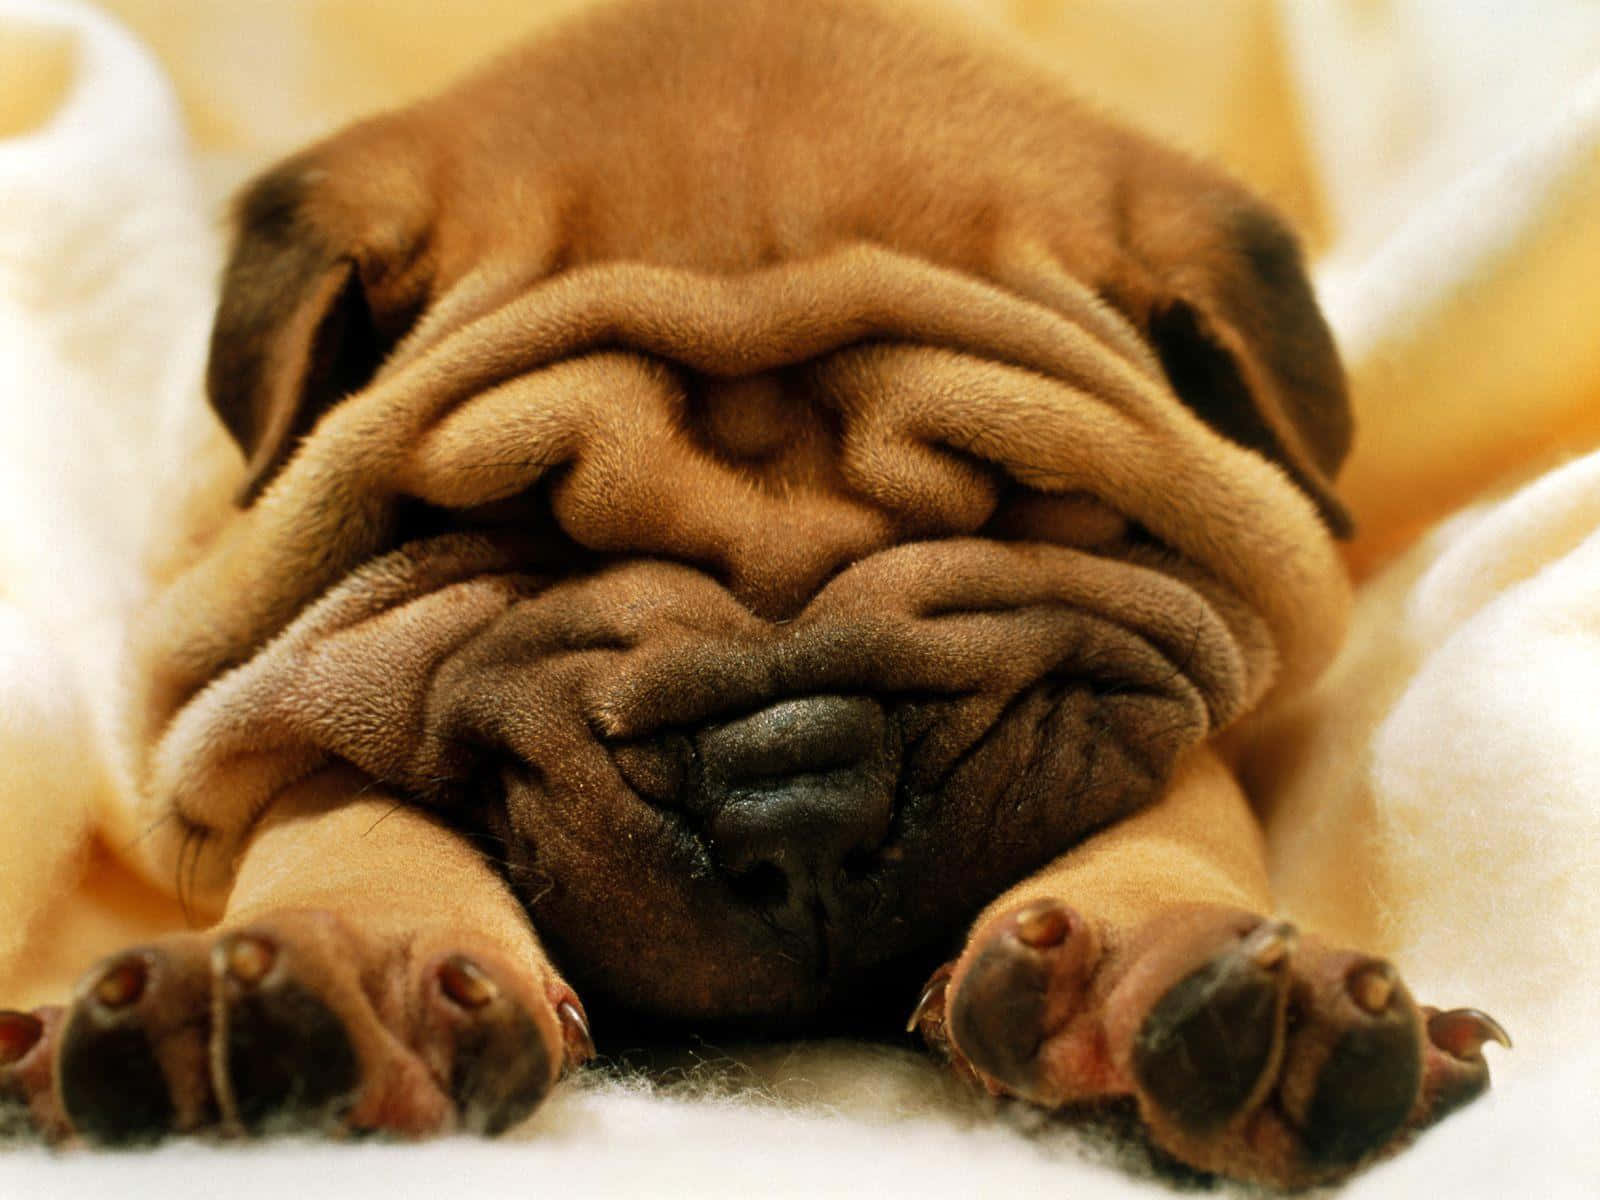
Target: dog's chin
713, 817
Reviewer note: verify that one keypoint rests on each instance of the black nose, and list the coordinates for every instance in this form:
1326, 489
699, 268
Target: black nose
791, 792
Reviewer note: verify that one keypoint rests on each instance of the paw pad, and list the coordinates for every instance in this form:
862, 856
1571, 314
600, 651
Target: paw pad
1209, 1045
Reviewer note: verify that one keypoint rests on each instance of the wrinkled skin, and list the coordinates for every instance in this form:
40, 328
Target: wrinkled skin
804, 808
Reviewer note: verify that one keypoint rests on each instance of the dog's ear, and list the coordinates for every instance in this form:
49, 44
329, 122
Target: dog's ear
307, 314
1224, 296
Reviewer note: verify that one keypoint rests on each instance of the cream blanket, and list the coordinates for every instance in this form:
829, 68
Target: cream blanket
1436, 798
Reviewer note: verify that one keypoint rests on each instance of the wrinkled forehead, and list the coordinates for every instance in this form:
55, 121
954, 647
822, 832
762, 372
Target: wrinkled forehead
773, 429
727, 137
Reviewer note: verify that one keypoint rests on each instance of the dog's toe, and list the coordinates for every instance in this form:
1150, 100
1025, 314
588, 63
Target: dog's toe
285, 1059
494, 1040
133, 1060
1021, 988
1011, 1011
1353, 1067
1206, 1049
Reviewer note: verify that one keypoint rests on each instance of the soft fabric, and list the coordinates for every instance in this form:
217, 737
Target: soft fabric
106, 272
1434, 799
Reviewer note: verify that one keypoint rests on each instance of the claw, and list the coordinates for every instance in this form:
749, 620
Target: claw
19, 1033
575, 1031
931, 994
122, 984
1371, 985
1462, 1032
1043, 924
1272, 943
248, 958
465, 983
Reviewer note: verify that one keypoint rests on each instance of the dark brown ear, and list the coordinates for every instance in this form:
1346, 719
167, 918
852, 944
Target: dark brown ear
296, 329
1245, 346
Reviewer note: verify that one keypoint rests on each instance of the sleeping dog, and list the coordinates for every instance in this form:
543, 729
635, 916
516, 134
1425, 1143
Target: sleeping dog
762, 514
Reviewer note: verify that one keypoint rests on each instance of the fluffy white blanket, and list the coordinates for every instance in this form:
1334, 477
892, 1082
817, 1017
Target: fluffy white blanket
1436, 798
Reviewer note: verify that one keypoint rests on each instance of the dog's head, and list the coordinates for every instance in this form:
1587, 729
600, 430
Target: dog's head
779, 473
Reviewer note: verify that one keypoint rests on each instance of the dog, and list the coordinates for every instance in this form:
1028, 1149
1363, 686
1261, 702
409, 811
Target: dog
766, 515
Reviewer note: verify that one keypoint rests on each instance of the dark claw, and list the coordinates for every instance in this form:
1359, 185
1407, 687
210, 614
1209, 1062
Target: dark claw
932, 994
575, 1032
1462, 1032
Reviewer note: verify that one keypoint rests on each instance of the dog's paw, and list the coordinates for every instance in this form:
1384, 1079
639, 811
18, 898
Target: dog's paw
1250, 1051
291, 1023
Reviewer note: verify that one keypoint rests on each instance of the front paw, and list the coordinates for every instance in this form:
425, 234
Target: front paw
292, 1023
1248, 1050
